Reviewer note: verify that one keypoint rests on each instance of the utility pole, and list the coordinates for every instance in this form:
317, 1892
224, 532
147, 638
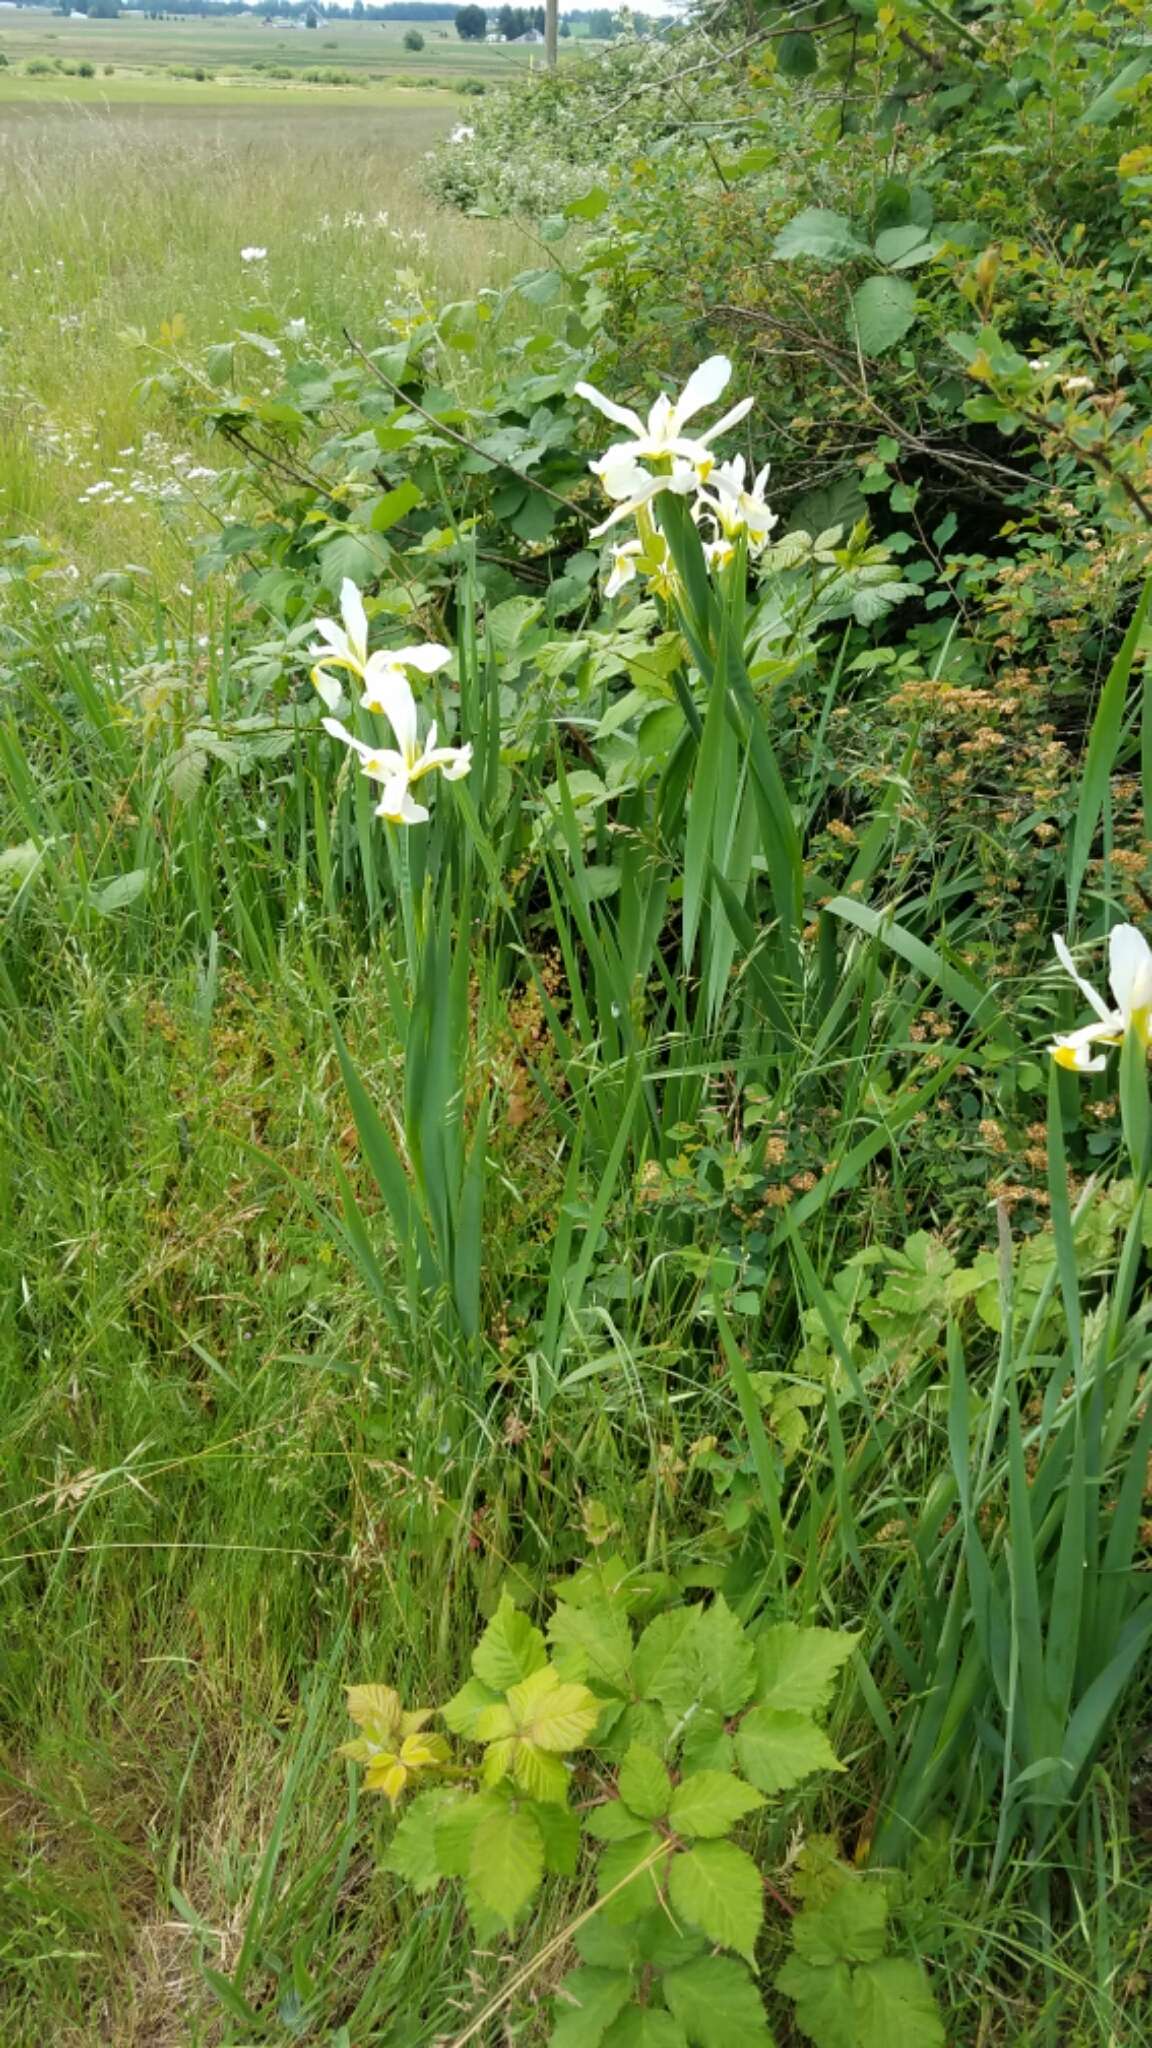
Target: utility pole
551, 28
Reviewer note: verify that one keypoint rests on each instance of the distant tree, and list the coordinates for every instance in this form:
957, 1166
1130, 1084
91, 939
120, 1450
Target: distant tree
471, 24
602, 24
538, 19
565, 26
104, 10
413, 40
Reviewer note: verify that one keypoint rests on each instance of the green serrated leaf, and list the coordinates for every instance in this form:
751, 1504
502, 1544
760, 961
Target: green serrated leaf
776, 1751
644, 2026
709, 1803
413, 1852
851, 1928
593, 1644
796, 1667
727, 1658
509, 1650
644, 1784
586, 2004
637, 1866
820, 1872
707, 1743
664, 1666
455, 1827
507, 1862
560, 1832
613, 1822
717, 1887
717, 2004
608, 1947
644, 1722
894, 2006
824, 2004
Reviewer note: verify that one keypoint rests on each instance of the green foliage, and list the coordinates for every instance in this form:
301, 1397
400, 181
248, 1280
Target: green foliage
848, 1992
587, 1756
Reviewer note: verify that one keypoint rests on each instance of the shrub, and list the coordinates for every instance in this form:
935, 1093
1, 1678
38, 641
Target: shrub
85, 70
413, 40
39, 67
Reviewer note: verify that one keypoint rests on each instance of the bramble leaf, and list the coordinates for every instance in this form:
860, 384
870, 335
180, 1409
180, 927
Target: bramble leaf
455, 1827
560, 1833
717, 2004
718, 1888
796, 1667
613, 1822
509, 1650
643, 1783
376, 1709
664, 1666
851, 1928
623, 1863
593, 1644
824, 2003
895, 2007
550, 1714
413, 1852
709, 1803
644, 2026
776, 1751
819, 1871
642, 1721
707, 1743
727, 1658
465, 1707
507, 1861
587, 2002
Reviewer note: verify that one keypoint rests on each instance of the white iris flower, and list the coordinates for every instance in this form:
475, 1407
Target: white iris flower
662, 434
1130, 980
738, 510
398, 768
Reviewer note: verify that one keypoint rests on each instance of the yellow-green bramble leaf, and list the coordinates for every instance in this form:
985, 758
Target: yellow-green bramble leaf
717, 1888
507, 1862
643, 1783
664, 1666
509, 1650
717, 2004
727, 1658
593, 1644
587, 2002
776, 1750
465, 1708
796, 1667
551, 1714
709, 1803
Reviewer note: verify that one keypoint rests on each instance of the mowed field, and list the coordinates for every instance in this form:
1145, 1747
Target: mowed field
241, 55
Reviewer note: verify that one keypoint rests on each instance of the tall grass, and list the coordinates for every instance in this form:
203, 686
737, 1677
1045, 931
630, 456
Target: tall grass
122, 232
